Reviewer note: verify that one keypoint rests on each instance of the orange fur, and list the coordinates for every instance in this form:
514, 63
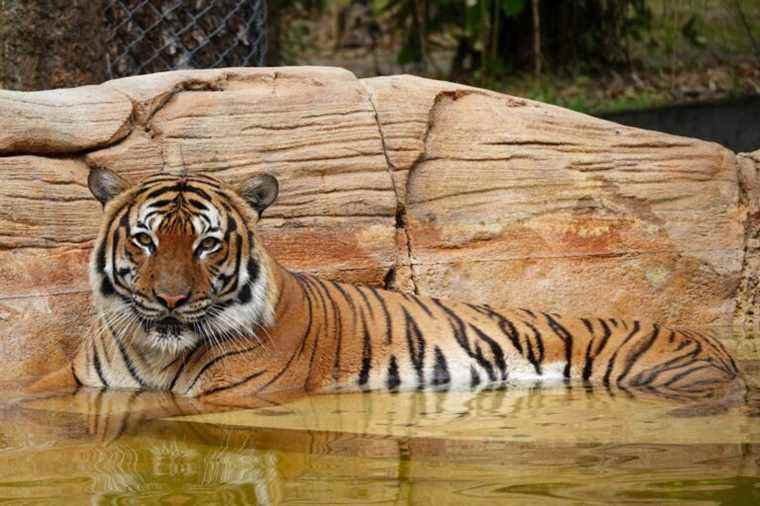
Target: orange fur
274, 330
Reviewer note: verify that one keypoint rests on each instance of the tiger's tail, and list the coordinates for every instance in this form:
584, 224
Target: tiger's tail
736, 394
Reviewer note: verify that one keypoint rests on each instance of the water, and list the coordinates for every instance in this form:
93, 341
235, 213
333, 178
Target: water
551, 445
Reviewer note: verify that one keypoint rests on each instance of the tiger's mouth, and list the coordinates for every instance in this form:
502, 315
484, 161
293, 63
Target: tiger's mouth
168, 326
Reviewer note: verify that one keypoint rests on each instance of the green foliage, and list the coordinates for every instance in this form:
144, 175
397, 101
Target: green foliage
597, 55
513, 7
692, 31
495, 36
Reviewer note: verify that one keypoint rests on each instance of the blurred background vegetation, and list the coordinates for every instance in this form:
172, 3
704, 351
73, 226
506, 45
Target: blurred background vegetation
693, 66
595, 56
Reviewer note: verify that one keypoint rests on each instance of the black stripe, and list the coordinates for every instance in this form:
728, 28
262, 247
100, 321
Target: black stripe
223, 260
366, 354
185, 360
650, 375
235, 271
418, 302
106, 287
349, 300
726, 361
366, 300
496, 350
337, 323
76, 378
393, 380
162, 203
605, 337
100, 256
507, 327
214, 361
309, 283
307, 297
567, 340
635, 354
177, 188
236, 384
540, 345
253, 270
485, 364
415, 343
128, 361
208, 228
684, 342
457, 327
151, 214
440, 369
123, 225
611, 363
232, 225
685, 373
588, 366
244, 295
474, 377
531, 355
98, 369
386, 314
460, 336
198, 205
352, 306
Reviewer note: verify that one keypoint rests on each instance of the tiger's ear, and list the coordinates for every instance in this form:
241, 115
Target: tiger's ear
259, 191
105, 184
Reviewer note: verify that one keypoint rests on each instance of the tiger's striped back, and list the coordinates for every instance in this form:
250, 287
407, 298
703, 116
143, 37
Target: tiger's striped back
362, 338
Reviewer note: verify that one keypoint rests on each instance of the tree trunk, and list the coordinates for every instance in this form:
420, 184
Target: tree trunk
274, 33
51, 44
536, 38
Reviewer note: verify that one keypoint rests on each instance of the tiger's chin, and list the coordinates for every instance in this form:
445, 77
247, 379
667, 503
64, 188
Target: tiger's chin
168, 336
171, 339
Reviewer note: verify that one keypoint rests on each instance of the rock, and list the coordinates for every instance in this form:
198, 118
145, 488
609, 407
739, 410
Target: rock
747, 315
564, 210
416, 184
63, 121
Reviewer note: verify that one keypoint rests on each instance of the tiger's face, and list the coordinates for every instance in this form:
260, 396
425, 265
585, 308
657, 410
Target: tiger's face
176, 262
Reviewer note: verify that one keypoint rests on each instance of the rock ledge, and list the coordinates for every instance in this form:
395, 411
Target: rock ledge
395, 181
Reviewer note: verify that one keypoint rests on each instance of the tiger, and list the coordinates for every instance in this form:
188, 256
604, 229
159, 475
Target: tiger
188, 300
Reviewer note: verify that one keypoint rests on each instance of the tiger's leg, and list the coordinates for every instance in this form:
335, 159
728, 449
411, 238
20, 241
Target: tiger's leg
688, 362
688, 366
54, 384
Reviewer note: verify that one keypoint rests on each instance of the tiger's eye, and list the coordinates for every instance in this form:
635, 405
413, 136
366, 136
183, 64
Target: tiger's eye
143, 239
208, 244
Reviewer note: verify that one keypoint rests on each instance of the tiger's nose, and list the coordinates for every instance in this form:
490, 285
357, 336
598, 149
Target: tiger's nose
171, 301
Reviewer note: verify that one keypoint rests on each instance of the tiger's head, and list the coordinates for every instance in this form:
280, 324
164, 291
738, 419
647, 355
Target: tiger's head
176, 262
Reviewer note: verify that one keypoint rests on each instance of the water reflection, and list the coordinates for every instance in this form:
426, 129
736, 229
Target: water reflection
539, 445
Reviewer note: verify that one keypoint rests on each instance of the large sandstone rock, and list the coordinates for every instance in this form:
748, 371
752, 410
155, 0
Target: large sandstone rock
397, 181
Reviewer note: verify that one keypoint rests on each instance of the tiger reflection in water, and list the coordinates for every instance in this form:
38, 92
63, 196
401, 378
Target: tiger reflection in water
148, 446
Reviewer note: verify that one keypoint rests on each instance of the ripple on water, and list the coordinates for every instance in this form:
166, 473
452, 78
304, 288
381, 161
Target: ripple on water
548, 445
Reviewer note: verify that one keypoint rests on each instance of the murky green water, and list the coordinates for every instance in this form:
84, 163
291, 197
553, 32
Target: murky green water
561, 445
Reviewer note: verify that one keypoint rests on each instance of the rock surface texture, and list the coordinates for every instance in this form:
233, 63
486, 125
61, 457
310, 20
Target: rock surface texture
396, 181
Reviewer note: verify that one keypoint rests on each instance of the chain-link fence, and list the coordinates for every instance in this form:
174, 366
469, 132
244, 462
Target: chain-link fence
156, 35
